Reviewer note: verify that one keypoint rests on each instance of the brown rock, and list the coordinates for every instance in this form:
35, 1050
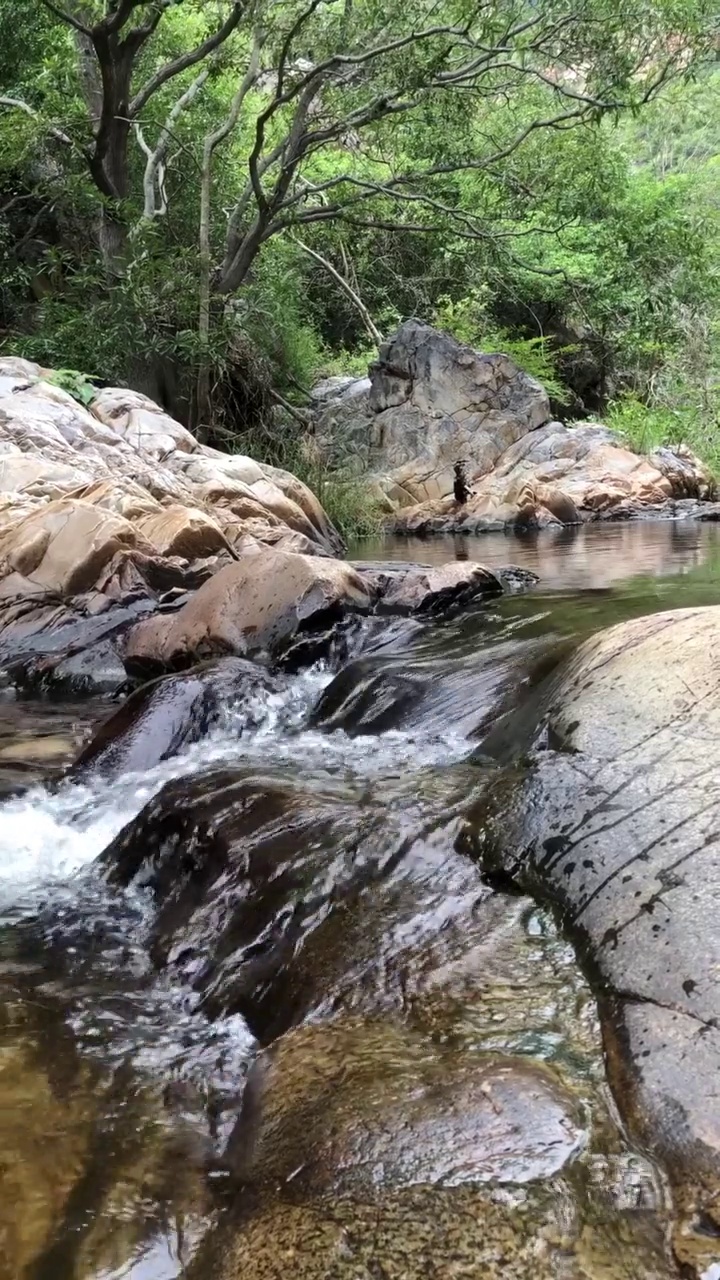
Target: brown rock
64, 546
183, 531
338, 1106
250, 607
432, 590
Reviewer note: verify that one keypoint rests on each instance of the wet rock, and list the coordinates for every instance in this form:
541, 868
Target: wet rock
164, 716
256, 606
440, 588
275, 901
365, 698
87, 1154
47, 646
93, 671
405, 588
348, 1104
617, 822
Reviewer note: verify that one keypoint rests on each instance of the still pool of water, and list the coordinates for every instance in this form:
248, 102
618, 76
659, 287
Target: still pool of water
99, 1175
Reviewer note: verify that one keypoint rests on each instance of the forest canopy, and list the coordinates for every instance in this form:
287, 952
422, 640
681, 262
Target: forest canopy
220, 202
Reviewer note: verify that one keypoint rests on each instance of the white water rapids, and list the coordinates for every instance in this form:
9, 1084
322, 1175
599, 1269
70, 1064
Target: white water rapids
50, 838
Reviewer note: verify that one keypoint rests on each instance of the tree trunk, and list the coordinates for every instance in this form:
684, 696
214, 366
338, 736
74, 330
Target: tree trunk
202, 400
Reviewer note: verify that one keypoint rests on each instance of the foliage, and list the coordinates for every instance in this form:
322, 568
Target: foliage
75, 383
468, 320
447, 159
351, 507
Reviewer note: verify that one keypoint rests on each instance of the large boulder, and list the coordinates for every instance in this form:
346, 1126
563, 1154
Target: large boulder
432, 401
256, 606
617, 822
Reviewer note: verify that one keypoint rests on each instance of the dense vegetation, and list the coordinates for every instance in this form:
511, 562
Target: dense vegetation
219, 202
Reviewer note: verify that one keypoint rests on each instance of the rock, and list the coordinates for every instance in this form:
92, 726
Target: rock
349, 1104
124, 450
279, 903
437, 589
67, 648
183, 531
164, 716
256, 606
561, 475
340, 434
431, 402
462, 1233
339, 387
120, 500
63, 548
617, 822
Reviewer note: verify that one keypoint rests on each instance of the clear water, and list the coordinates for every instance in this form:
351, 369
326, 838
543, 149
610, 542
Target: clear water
90, 1034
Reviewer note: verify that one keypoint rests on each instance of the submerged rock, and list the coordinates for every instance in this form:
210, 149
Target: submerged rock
356, 1103
167, 714
617, 822
364, 1150
462, 1233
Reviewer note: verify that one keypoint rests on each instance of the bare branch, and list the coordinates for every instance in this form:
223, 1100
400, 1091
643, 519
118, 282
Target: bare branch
189, 59
69, 18
19, 105
346, 287
155, 167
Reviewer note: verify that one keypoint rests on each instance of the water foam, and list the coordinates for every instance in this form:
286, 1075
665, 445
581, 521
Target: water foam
48, 837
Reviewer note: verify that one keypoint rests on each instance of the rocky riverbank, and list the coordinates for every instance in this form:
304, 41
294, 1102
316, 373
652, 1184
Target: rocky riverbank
342, 884
430, 402
128, 549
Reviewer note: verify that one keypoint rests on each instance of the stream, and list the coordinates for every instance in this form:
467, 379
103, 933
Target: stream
120, 1084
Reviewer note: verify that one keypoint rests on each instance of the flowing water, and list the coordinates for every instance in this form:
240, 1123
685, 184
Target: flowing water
96, 1181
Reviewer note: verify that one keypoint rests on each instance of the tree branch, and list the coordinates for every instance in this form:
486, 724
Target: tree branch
346, 287
69, 18
19, 105
189, 59
156, 159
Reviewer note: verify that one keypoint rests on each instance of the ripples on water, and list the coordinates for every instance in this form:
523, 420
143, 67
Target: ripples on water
73, 955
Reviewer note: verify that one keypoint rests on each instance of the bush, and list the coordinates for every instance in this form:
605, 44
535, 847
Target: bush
646, 427
351, 506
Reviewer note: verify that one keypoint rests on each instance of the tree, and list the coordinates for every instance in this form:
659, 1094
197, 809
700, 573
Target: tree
373, 119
